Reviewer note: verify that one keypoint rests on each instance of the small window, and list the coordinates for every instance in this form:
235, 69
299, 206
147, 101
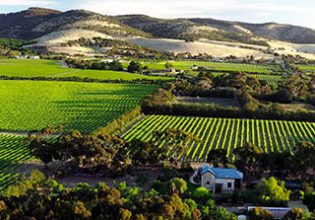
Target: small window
208, 183
229, 185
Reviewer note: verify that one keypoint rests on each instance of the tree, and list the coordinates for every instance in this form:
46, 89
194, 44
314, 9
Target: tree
125, 214
309, 200
43, 149
134, 67
295, 214
259, 213
80, 211
116, 65
202, 194
217, 157
271, 192
168, 65
304, 157
248, 159
178, 185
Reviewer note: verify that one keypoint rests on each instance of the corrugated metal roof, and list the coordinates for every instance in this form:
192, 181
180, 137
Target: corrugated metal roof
222, 173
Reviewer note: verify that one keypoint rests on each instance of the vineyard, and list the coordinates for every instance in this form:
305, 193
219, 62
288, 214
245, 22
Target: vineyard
73, 105
271, 80
218, 66
50, 68
13, 151
310, 68
215, 133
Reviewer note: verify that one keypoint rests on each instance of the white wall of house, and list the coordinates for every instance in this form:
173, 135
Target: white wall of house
228, 185
209, 181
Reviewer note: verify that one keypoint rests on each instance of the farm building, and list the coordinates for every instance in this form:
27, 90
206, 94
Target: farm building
218, 180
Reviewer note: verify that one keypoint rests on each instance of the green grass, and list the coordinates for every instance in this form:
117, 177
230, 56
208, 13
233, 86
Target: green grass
306, 68
50, 68
27, 105
217, 66
13, 151
225, 133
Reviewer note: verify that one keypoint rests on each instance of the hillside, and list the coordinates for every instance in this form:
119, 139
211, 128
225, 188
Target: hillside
37, 22
213, 29
52, 29
186, 29
275, 31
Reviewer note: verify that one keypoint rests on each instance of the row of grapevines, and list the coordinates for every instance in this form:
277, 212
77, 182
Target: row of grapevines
217, 133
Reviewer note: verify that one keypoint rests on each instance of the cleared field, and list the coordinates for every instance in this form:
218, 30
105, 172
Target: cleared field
217, 66
13, 151
50, 68
216, 133
29, 105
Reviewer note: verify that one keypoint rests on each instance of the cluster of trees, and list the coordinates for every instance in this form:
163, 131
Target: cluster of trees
43, 198
96, 42
114, 65
10, 47
259, 213
254, 162
107, 154
256, 98
298, 86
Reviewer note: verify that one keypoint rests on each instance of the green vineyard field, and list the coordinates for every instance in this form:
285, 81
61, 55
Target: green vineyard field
82, 106
50, 68
216, 133
218, 66
13, 151
271, 80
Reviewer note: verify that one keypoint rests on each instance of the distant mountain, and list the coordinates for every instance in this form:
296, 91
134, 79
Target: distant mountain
52, 30
37, 22
282, 32
218, 29
187, 29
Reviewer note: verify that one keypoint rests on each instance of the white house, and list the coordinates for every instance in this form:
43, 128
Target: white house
218, 180
34, 57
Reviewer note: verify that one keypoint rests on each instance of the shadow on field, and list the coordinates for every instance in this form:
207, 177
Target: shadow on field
92, 110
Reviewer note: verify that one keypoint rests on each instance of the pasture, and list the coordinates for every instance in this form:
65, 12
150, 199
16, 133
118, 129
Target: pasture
28, 105
216, 133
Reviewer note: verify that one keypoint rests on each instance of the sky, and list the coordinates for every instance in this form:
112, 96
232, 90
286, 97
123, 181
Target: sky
282, 11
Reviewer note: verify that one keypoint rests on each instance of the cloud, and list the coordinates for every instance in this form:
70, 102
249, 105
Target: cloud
27, 3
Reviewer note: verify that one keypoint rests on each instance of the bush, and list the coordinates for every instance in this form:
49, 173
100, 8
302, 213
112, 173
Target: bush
260, 214
271, 192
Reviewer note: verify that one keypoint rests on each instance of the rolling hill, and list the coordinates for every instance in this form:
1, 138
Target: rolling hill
51, 29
